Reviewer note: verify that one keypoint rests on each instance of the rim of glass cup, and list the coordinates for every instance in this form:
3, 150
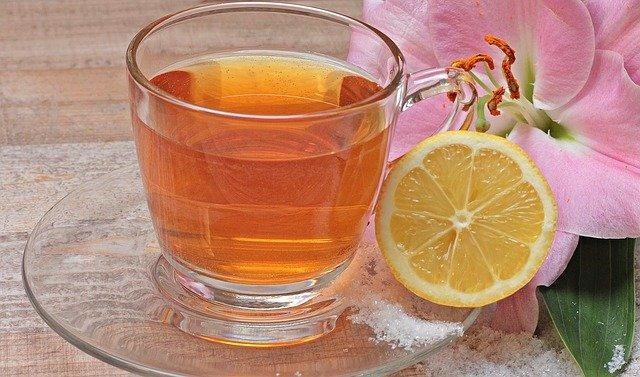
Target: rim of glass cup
168, 20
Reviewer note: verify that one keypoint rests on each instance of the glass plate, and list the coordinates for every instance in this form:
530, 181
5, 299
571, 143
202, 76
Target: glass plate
88, 269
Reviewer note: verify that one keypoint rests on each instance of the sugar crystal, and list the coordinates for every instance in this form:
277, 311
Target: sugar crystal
617, 359
391, 323
393, 313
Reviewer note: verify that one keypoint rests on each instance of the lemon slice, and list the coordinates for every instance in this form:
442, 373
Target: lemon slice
465, 219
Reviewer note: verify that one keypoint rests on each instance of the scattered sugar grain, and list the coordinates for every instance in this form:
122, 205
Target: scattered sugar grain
617, 359
391, 323
375, 294
484, 352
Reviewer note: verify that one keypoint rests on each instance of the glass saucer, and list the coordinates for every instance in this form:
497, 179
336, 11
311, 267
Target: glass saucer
90, 270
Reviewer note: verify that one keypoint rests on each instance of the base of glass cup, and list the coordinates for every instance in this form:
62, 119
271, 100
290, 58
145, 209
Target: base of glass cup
250, 315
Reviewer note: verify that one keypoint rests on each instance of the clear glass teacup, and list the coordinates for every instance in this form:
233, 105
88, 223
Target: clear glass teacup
262, 148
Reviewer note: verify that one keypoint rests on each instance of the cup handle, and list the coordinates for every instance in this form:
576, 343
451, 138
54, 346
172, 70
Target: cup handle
430, 82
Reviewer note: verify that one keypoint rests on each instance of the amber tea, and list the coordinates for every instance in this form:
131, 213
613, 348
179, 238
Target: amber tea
273, 198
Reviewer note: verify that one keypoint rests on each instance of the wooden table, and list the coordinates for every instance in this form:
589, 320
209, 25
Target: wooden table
63, 121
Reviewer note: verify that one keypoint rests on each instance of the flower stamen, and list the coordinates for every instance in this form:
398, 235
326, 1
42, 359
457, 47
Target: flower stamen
477, 80
489, 74
512, 83
510, 58
502, 45
469, 63
495, 100
482, 125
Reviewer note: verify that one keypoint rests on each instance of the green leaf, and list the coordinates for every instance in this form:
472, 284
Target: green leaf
592, 304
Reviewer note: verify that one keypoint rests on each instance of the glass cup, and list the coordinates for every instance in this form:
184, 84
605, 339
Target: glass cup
254, 240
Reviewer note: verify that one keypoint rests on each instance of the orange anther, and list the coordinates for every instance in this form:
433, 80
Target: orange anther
495, 100
503, 45
512, 83
470, 62
510, 58
458, 63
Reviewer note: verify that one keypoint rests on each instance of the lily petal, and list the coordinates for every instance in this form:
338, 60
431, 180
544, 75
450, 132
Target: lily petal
559, 256
597, 196
553, 40
519, 312
617, 28
405, 22
422, 120
605, 114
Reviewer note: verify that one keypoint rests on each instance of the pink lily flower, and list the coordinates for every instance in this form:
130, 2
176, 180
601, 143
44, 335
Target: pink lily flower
577, 110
